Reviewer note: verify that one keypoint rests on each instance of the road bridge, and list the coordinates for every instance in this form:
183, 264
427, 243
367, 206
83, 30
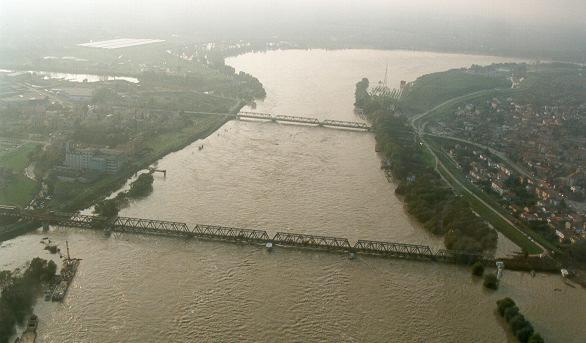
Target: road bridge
308, 120
295, 119
232, 234
346, 124
311, 241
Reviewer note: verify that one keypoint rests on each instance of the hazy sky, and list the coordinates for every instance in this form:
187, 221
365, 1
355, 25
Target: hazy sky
543, 12
498, 24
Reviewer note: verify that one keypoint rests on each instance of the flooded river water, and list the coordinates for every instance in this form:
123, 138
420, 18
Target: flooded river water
278, 177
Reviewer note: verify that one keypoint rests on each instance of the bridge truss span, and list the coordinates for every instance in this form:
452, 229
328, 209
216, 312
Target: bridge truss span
139, 225
304, 120
345, 124
222, 233
394, 249
231, 234
255, 115
295, 119
460, 256
313, 241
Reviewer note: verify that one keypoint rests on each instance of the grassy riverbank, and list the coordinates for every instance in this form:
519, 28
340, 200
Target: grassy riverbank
77, 196
433, 89
16, 188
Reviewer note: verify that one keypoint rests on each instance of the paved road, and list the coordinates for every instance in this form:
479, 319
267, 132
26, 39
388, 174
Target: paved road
519, 169
418, 125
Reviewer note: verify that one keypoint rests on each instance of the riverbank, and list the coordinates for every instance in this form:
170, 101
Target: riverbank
15, 187
293, 179
162, 146
426, 196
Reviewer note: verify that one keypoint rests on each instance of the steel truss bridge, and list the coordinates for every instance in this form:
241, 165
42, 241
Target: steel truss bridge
222, 233
336, 124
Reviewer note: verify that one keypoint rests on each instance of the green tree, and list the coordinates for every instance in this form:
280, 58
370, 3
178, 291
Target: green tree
491, 281
524, 333
517, 323
107, 208
578, 250
51, 269
478, 269
361, 93
511, 312
142, 186
536, 338
503, 304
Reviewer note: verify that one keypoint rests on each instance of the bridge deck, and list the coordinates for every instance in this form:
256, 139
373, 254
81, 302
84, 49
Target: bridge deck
347, 124
304, 120
255, 115
293, 119
394, 249
313, 241
214, 232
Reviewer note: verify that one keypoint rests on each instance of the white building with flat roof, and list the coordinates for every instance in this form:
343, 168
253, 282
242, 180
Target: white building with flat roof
99, 160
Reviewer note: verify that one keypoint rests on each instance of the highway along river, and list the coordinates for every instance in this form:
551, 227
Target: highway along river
288, 178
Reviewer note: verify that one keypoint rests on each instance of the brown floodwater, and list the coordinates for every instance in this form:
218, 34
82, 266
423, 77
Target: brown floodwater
132, 288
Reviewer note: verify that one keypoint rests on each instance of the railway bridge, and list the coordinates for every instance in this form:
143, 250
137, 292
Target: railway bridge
307, 120
252, 236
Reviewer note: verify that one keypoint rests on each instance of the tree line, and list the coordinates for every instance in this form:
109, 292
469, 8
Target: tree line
19, 293
426, 195
520, 326
140, 187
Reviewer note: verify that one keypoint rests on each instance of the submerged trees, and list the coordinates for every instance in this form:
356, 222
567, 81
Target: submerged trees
491, 281
19, 293
140, 187
520, 326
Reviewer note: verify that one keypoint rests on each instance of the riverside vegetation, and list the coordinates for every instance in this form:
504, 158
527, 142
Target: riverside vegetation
144, 121
19, 292
139, 188
426, 195
520, 326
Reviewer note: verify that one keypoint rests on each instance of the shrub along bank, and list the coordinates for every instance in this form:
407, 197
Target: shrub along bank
426, 195
139, 188
19, 292
520, 326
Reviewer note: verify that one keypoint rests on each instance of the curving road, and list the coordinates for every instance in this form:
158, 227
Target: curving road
501, 155
418, 124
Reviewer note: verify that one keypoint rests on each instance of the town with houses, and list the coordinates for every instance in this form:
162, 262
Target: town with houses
531, 158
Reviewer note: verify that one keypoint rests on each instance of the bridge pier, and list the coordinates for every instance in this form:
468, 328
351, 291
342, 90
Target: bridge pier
213, 232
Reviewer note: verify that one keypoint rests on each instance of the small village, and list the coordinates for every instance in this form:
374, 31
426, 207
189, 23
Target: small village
531, 158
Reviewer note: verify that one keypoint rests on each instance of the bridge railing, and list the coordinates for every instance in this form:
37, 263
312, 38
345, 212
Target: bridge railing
348, 124
295, 119
161, 227
306, 120
460, 256
255, 115
9, 211
128, 224
296, 239
395, 249
229, 233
